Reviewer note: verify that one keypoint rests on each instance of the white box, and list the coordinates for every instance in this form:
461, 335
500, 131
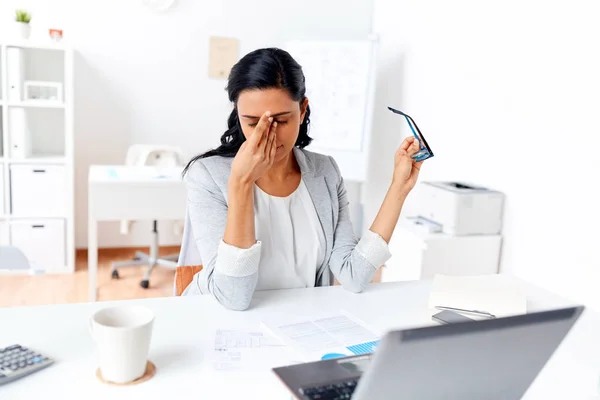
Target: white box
20, 137
42, 242
43, 91
38, 190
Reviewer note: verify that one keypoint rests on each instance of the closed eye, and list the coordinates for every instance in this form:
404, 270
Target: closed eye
253, 124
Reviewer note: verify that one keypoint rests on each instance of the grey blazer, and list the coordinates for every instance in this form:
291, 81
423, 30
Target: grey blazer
232, 281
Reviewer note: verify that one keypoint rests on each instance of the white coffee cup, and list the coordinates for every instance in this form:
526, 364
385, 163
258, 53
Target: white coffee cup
122, 335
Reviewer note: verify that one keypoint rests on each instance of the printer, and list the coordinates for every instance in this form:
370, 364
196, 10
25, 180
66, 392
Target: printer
460, 208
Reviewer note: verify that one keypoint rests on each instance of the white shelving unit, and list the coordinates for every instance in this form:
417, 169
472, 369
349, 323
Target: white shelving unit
36, 155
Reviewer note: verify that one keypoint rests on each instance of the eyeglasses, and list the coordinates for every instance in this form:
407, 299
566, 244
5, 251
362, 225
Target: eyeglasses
425, 151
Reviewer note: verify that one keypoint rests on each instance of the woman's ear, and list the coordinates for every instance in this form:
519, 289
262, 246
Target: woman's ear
303, 108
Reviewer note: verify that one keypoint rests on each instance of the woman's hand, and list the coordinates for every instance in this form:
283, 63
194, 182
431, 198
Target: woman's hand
256, 154
406, 170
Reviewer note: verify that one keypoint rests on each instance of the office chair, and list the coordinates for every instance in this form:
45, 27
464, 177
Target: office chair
189, 262
165, 156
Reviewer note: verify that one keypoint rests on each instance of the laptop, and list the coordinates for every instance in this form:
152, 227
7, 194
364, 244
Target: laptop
486, 359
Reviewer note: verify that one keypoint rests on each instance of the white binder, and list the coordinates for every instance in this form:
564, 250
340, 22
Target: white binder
15, 71
20, 139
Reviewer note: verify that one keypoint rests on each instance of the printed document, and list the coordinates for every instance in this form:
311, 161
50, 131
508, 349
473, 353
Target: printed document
244, 350
323, 337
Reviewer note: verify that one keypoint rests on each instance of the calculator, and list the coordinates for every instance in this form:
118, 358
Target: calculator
17, 361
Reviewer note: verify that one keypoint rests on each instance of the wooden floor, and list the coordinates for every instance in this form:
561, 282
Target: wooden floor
73, 288
26, 290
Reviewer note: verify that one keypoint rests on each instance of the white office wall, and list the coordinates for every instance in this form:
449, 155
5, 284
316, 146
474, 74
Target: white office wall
508, 95
141, 77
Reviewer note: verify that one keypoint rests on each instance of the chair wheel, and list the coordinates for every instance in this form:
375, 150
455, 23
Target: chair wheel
115, 274
145, 284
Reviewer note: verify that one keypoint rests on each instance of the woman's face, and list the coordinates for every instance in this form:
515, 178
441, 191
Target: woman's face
288, 113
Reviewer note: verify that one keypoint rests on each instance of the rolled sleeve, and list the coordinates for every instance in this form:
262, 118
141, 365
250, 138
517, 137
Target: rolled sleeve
237, 262
374, 249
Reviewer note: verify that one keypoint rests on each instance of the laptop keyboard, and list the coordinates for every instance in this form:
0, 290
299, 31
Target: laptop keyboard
336, 391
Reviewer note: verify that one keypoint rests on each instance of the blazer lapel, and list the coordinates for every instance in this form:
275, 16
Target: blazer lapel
321, 198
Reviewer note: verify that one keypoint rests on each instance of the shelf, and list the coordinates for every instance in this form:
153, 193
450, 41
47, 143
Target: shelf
36, 153
38, 160
18, 218
37, 104
28, 44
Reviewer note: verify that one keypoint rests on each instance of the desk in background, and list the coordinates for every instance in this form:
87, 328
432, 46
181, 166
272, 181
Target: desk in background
183, 338
130, 193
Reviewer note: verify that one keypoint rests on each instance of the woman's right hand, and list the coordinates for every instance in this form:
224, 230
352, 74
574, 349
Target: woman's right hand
256, 155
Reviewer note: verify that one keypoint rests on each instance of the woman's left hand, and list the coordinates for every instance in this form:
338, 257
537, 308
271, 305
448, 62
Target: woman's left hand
406, 169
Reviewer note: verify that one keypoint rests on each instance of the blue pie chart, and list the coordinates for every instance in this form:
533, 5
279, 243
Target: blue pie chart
329, 356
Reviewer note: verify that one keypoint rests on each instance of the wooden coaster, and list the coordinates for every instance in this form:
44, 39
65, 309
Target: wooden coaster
150, 371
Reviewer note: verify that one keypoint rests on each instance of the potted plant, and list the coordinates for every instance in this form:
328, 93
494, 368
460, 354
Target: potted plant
22, 19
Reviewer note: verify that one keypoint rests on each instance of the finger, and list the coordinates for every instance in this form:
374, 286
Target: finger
264, 140
273, 150
261, 128
414, 148
406, 143
270, 139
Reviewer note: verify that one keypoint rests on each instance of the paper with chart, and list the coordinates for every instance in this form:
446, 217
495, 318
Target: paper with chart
483, 293
243, 350
323, 337
337, 86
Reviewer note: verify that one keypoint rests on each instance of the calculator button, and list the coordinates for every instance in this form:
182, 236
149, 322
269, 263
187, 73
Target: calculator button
37, 360
22, 364
13, 347
29, 362
14, 367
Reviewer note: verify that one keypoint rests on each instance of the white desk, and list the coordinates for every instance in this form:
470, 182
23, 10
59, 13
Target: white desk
130, 193
183, 336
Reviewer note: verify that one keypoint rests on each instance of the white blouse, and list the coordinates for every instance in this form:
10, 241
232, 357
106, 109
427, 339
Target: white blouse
291, 237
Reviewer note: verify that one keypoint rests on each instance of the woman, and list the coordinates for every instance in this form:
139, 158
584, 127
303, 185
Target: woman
267, 214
